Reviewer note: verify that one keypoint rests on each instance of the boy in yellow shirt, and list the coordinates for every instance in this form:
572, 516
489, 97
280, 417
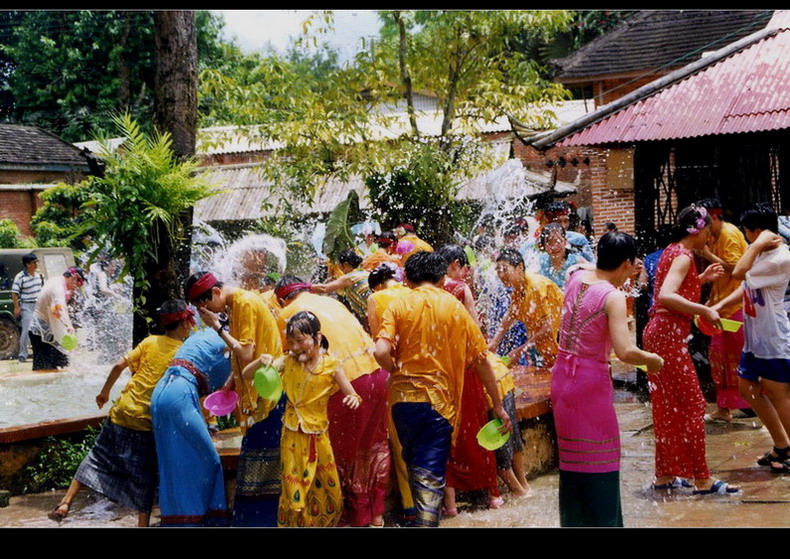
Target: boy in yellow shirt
122, 464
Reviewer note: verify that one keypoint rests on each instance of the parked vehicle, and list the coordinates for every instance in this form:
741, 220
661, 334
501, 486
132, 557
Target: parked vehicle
52, 262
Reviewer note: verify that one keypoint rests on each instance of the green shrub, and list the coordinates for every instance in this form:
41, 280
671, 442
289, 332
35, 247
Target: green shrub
56, 464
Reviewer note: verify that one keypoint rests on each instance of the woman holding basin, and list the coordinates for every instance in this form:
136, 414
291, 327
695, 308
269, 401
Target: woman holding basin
678, 403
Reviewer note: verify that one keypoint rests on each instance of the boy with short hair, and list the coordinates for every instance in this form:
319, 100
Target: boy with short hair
427, 340
764, 371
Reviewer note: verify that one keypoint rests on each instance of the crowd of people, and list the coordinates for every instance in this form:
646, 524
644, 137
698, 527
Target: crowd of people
400, 359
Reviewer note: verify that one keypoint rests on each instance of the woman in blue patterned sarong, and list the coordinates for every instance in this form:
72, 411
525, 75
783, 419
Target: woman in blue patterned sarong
191, 484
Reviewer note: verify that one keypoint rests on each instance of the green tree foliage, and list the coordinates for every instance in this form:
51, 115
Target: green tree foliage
134, 212
328, 123
466, 59
58, 222
135, 208
10, 235
70, 71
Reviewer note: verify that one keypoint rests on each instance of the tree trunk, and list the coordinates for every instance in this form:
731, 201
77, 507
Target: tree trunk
123, 67
175, 111
175, 81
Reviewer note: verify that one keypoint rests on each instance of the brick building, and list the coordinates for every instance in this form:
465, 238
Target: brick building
674, 140
32, 160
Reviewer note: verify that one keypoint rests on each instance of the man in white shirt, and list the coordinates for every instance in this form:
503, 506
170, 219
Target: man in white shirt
764, 371
51, 320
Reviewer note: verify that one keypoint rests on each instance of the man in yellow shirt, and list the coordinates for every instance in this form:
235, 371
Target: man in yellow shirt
122, 464
250, 331
536, 301
427, 340
725, 246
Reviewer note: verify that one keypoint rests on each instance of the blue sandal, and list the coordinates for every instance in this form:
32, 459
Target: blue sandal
719, 487
677, 483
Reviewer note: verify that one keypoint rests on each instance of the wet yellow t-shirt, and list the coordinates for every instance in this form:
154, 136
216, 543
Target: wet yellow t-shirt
729, 246
348, 341
308, 394
434, 341
251, 322
148, 362
540, 302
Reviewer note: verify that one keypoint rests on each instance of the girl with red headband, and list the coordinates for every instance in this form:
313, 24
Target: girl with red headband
122, 464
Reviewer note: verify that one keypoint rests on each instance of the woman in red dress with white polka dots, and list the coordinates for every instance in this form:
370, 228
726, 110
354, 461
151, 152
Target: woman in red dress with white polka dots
675, 394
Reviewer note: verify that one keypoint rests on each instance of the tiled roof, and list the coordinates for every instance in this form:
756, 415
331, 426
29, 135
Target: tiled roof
652, 39
29, 146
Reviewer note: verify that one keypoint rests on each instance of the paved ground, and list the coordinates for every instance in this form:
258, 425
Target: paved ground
732, 450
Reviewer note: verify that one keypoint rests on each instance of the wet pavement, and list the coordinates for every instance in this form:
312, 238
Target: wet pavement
732, 449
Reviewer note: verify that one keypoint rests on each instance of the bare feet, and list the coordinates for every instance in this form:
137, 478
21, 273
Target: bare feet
721, 415
495, 502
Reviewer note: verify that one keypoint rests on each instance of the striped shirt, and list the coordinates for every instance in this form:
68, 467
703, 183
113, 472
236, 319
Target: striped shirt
27, 287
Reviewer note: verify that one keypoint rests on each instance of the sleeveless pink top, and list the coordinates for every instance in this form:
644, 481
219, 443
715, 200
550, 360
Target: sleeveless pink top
584, 330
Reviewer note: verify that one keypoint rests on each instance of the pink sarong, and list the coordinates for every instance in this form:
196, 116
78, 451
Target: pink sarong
361, 448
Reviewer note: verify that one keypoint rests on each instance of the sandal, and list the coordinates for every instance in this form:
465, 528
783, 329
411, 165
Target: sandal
719, 487
57, 515
780, 466
775, 455
677, 483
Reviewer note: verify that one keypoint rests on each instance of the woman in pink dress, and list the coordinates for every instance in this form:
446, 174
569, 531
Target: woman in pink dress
588, 436
675, 394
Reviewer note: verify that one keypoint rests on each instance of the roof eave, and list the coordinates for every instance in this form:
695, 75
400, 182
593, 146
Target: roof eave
646, 90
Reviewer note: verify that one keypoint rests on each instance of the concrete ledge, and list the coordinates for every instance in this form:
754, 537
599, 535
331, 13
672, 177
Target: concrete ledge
46, 428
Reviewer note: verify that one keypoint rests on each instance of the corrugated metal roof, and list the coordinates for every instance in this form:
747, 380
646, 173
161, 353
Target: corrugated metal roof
747, 91
217, 140
246, 189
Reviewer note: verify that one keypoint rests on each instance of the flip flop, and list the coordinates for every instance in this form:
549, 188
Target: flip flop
719, 487
677, 483
710, 419
58, 516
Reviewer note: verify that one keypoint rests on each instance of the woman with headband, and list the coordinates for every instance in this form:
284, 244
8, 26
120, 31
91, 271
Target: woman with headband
122, 464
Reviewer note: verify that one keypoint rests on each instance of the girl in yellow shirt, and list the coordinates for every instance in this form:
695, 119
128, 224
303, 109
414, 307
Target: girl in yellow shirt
311, 494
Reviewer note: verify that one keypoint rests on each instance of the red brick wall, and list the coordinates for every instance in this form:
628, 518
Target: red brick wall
608, 204
602, 89
233, 158
20, 205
